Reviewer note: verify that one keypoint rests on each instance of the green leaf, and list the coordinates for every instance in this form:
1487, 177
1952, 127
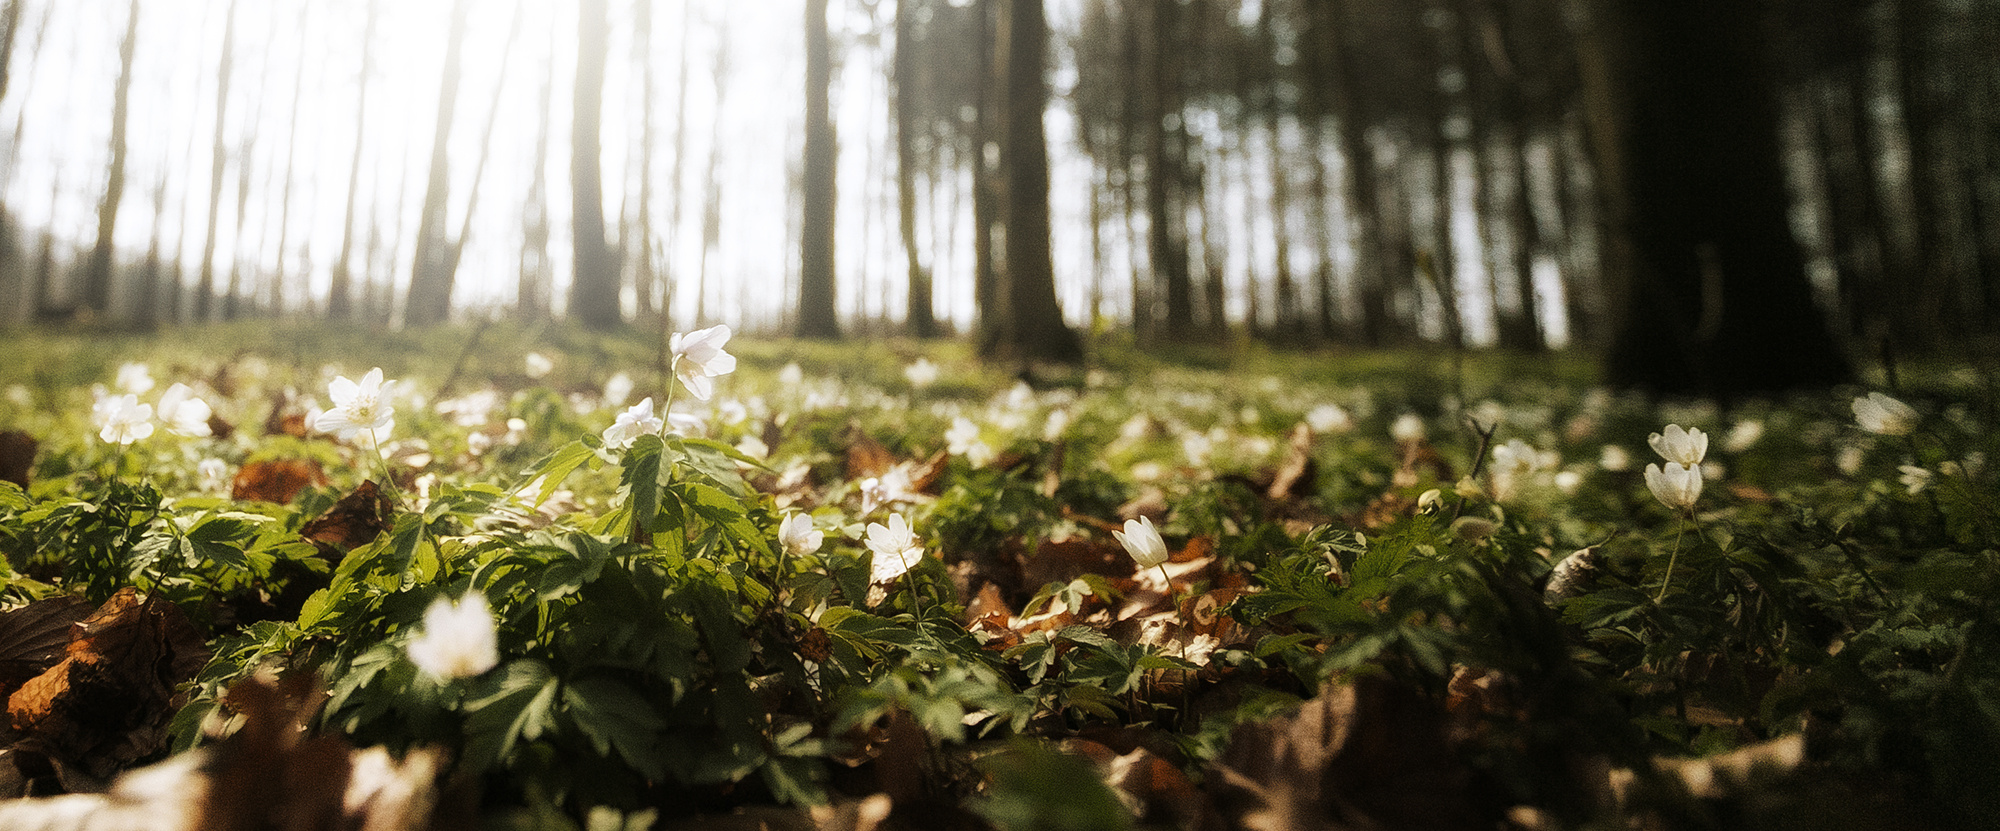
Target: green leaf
613, 716
641, 482
557, 466
509, 705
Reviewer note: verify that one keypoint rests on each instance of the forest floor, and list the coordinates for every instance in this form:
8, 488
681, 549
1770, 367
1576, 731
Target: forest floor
528, 575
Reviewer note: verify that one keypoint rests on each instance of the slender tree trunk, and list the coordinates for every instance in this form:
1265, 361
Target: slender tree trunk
279, 296
818, 312
97, 275
204, 292
593, 297
340, 294
1326, 305
431, 275
532, 291
1370, 257
639, 241
10, 25
711, 188
921, 321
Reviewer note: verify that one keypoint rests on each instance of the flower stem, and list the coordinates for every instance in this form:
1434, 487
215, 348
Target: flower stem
1671, 558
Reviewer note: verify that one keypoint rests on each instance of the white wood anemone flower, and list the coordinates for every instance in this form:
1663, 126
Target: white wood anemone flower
183, 413
636, 421
798, 536
358, 407
897, 549
458, 639
121, 419
1143, 542
1882, 415
1676, 486
1683, 447
698, 356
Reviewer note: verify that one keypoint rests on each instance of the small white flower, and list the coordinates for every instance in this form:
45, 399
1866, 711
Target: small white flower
1569, 481
753, 447
631, 424
1744, 434
617, 390
214, 474
1682, 447
962, 434
1057, 423
921, 374
698, 356
1676, 487
1142, 541
182, 413
791, 375
1614, 458
457, 640
1849, 459
1915, 478
1329, 418
1883, 415
358, 408
134, 378
121, 419
538, 365
897, 549
798, 536
1408, 428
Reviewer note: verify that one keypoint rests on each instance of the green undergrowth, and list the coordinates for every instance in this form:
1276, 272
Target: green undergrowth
1475, 530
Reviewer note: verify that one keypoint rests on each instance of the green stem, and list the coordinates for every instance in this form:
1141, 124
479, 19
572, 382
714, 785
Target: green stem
1671, 559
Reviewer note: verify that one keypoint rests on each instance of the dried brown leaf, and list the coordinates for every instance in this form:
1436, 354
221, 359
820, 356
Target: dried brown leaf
356, 520
17, 456
276, 480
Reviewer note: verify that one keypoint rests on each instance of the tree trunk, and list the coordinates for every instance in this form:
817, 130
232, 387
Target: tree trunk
639, 243
340, 294
919, 315
10, 25
1714, 292
532, 292
279, 296
431, 275
1033, 328
97, 275
593, 297
204, 292
818, 314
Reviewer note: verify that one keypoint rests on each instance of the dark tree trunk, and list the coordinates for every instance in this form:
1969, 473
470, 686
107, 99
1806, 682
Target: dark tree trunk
97, 274
1033, 328
818, 314
340, 295
637, 239
1714, 294
593, 296
431, 275
921, 320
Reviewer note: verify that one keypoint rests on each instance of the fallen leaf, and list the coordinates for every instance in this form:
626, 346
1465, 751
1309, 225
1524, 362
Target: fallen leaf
17, 456
275, 480
36, 637
106, 704
356, 520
